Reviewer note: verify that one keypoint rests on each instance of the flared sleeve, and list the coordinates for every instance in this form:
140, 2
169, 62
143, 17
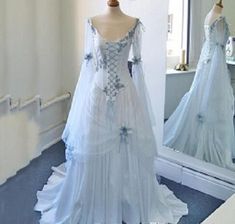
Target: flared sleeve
80, 94
138, 72
223, 32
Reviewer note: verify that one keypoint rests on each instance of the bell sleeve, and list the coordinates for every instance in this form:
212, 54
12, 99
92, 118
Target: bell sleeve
138, 73
80, 94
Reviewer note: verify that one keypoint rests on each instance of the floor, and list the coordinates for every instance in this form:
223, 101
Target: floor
18, 194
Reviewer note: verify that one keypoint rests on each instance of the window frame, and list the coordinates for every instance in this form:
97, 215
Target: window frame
185, 38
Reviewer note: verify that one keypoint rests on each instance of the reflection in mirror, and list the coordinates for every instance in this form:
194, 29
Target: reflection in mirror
199, 103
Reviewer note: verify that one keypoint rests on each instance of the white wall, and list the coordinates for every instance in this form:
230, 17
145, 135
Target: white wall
176, 86
229, 6
32, 48
30, 40
2, 48
48, 48
70, 19
153, 15
20, 39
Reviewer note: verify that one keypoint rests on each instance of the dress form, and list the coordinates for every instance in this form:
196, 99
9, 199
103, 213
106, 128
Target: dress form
214, 14
113, 24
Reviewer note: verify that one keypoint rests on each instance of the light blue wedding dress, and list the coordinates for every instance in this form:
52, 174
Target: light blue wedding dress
108, 176
202, 124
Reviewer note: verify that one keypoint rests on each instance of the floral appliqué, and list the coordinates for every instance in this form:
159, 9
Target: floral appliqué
136, 60
88, 57
200, 118
124, 133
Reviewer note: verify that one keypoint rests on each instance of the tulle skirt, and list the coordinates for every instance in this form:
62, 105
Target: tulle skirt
112, 188
202, 124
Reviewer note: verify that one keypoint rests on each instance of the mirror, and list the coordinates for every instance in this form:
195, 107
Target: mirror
199, 102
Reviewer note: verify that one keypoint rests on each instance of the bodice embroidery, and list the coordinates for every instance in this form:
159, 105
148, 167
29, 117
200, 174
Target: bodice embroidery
107, 57
212, 38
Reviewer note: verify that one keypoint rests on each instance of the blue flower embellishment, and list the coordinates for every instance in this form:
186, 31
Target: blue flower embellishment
136, 60
124, 133
88, 57
220, 45
207, 61
200, 118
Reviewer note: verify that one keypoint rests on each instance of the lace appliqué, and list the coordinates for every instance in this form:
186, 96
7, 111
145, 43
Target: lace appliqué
69, 154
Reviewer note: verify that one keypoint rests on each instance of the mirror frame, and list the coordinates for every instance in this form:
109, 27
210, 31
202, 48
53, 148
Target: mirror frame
185, 161
197, 165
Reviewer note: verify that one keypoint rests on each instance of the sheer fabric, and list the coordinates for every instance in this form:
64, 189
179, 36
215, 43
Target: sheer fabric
87, 139
202, 124
108, 176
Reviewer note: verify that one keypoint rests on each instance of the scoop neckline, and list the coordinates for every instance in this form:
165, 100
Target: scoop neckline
113, 41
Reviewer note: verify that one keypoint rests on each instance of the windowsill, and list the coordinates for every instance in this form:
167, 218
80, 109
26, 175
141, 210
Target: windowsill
171, 71
230, 62
174, 72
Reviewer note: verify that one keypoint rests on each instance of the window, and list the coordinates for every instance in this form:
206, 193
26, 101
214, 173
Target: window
170, 23
178, 29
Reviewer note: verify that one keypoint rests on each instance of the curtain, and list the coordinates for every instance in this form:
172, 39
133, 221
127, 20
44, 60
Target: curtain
30, 40
196, 23
37, 57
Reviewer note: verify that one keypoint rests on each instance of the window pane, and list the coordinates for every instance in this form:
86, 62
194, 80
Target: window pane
177, 30
175, 23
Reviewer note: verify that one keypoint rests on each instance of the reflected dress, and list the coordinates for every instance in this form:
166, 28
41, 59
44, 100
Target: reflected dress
108, 176
202, 124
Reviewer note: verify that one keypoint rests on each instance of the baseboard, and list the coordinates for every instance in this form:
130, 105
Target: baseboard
51, 136
193, 179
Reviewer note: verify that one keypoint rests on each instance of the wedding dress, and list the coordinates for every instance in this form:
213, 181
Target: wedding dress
202, 124
108, 176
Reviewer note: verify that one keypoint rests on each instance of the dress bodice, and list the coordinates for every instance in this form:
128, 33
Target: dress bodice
107, 98
111, 61
112, 54
216, 35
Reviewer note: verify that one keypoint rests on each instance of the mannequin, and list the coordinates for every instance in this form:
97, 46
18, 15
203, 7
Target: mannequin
214, 14
113, 24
